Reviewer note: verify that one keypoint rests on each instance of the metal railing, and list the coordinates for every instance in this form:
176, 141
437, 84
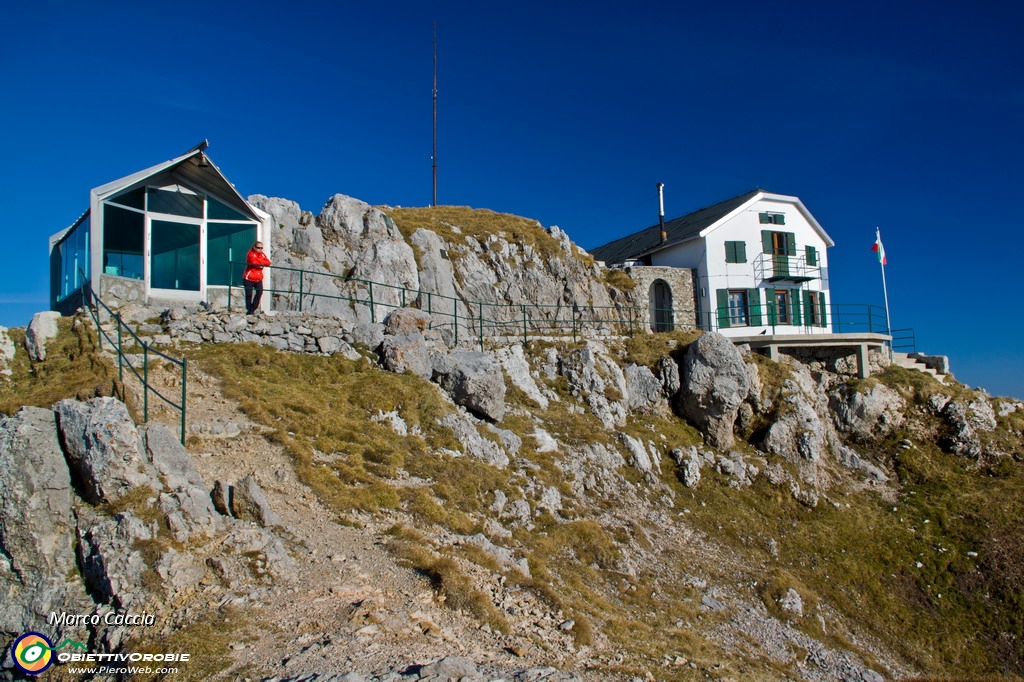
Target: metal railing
904, 340
480, 321
123, 359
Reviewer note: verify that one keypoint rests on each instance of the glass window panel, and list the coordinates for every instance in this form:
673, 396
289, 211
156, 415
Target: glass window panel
174, 262
215, 210
123, 240
227, 242
135, 198
175, 203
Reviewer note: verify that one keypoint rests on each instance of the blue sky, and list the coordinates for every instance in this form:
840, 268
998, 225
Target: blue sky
905, 116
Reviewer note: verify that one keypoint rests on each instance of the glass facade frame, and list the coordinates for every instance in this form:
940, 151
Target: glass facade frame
71, 267
181, 262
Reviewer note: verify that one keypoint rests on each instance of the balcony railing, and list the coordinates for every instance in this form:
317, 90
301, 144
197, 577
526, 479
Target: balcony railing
771, 267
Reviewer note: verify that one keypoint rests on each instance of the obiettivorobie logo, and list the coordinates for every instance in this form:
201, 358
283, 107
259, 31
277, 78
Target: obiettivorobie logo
33, 652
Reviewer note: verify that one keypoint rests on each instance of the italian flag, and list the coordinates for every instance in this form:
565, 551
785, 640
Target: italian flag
879, 249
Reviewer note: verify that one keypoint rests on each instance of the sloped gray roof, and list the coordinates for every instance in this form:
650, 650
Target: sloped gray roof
677, 229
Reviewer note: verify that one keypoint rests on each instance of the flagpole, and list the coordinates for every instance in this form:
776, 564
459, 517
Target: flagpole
885, 291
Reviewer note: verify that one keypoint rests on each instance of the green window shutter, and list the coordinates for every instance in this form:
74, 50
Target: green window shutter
773, 313
794, 304
754, 304
766, 241
779, 219
723, 308
764, 218
735, 252
812, 255
790, 244
823, 317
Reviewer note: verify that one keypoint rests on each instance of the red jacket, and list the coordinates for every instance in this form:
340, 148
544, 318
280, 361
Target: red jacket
255, 260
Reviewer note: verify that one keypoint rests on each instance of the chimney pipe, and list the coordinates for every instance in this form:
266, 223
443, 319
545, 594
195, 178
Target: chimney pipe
661, 211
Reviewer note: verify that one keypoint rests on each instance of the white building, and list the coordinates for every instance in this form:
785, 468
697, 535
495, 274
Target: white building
177, 232
759, 265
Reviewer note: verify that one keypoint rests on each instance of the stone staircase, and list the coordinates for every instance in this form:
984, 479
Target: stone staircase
922, 363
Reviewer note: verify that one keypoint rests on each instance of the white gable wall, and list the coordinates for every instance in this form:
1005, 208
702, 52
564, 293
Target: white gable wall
707, 256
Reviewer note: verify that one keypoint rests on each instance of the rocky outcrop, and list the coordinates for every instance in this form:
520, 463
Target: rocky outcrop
103, 448
714, 383
95, 512
596, 379
876, 411
37, 523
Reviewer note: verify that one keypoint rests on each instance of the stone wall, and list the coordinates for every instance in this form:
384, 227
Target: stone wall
838, 360
680, 282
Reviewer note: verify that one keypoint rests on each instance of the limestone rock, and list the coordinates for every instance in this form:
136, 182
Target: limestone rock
111, 562
596, 379
475, 445
37, 525
405, 321
473, 380
6, 351
102, 447
645, 392
791, 602
715, 382
689, 463
878, 411
406, 354
963, 437
513, 361
250, 504
170, 458
449, 668
41, 329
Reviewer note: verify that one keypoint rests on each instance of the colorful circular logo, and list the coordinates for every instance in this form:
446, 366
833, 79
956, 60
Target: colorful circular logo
33, 653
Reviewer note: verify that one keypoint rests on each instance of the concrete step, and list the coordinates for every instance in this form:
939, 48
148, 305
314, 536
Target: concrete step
908, 362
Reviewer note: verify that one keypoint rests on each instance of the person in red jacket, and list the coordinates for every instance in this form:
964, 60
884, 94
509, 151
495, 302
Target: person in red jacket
252, 278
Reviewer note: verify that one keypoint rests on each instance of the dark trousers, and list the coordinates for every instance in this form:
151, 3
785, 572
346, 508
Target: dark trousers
253, 294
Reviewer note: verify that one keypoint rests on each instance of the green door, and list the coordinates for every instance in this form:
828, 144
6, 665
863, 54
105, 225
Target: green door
174, 256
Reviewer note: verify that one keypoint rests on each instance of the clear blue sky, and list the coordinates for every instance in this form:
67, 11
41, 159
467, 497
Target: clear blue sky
908, 116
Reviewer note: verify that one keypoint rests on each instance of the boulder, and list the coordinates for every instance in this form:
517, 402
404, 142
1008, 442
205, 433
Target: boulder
473, 380
405, 321
170, 459
102, 447
41, 329
406, 354
714, 383
449, 668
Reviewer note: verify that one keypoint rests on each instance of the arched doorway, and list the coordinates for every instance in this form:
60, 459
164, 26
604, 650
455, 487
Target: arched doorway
661, 306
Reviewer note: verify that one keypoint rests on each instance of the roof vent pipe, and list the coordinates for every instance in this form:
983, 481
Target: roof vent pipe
661, 211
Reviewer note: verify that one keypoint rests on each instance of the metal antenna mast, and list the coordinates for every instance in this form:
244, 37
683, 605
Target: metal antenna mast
433, 156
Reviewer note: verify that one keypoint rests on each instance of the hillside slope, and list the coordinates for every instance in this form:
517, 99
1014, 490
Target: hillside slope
656, 505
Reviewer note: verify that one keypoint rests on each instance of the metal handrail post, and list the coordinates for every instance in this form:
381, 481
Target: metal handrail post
524, 325
480, 326
184, 383
455, 316
145, 382
373, 317
120, 354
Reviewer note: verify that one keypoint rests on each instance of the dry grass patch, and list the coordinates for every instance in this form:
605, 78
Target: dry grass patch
73, 368
455, 223
647, 349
